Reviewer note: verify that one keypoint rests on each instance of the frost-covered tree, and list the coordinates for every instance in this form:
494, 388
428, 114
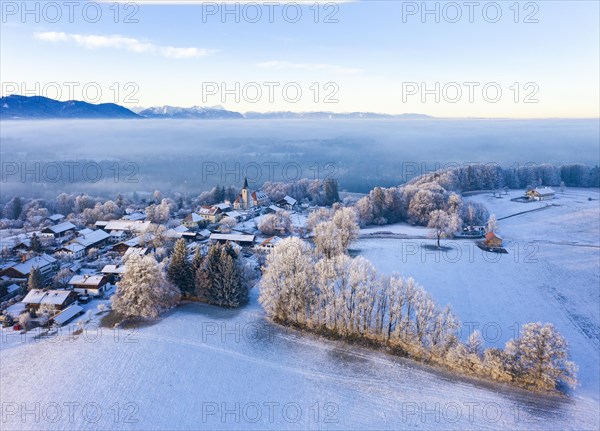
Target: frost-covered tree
144, 291
346, 220
180, 271
288, 280
540, 357
492, 223
227, 224
62, 277
443, 225
317, 216
277, 223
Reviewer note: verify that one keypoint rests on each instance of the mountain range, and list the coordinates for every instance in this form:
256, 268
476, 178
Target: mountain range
39, 107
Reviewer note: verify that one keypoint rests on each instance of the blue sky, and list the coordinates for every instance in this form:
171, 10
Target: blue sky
371, 56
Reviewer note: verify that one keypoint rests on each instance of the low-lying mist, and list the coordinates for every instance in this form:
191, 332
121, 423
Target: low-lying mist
102, 157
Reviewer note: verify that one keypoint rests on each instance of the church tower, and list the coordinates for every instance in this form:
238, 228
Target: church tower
245, 197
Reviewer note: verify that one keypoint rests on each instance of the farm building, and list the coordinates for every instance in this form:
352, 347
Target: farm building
541, 193
493, 240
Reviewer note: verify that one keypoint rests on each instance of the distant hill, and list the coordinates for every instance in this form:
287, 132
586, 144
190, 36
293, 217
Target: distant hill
38, 107
195, 112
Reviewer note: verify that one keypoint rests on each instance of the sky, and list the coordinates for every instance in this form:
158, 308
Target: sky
492, 59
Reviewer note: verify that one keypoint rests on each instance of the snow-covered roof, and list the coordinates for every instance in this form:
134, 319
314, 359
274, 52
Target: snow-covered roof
232, 237
233, 214
73, 248
34, 296
260, 195
85, 231
86, 280
180, 228
289, 200
544, 191
274, 208
204, 232
53, 297
93, 237
12, 288
134, 216
194, 218
128, 225
136, 250
117, 233
113, 269
209, 210
40, 261
272, 241
61, 227
223, 206
55, 217
67, 314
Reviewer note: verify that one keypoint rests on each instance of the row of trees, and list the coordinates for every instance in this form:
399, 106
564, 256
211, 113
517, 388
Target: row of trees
414, 201
329, 292
319, 192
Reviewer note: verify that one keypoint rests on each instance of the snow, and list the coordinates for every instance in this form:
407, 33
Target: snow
202, 367
175, 373
551, 274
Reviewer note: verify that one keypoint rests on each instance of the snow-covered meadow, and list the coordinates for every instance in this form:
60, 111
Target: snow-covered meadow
202, 367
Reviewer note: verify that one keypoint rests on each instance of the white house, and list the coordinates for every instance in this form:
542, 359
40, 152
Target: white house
93, 285
541, 193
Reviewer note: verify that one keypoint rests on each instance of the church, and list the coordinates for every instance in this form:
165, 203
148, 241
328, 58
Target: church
250, 199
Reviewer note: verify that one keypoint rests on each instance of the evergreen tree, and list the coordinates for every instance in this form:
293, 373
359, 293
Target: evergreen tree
330, 187
36, 280
180, 271
219, 280
36, 244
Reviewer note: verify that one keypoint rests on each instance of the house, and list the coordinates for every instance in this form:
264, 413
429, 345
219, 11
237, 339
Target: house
541, 194
248, 199
193, 220
493, 240
224, 206
117, 236
46, 264
140, 251
127, 226
273, 209
236, 215
113, 272
210, 213
56, 218
11, 291
240, 239
269, 243
122, 247
203, 234
59, 230
89, 238
288, 203
58, 299
93, 285
76, 251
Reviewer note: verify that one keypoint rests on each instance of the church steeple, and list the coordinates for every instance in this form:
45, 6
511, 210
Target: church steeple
245, 183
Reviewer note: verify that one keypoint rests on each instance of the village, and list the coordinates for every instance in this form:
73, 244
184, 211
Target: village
73, 265
77, 264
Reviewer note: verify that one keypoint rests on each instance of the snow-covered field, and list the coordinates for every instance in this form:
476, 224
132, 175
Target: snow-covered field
202, 367
550, 274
